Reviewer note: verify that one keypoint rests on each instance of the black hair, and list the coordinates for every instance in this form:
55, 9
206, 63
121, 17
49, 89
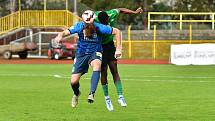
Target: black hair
103, 17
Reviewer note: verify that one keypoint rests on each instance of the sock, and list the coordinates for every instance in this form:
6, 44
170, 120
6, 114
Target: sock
107, 97
75, 88
94, 81
105, 89
118, 85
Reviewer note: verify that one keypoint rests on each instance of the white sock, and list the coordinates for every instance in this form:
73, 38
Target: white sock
120, 96
106, 97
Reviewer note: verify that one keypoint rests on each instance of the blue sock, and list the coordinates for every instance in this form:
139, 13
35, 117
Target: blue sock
94, 81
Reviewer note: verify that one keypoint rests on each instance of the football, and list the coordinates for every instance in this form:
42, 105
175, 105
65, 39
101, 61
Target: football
88, 16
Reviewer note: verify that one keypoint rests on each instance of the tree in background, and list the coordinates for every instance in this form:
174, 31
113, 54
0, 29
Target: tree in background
192, 6
8, 6
4, 5
123, 19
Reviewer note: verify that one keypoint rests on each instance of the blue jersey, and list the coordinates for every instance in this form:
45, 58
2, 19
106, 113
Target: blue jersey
90, 44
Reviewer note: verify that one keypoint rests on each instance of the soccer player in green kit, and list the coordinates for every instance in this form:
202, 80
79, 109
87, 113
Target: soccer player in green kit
109, 17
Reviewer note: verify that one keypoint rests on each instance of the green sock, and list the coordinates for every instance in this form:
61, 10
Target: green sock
105, 89
118, 85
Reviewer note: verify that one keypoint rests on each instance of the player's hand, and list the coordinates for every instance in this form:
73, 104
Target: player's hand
118, 53
139, 10
57, 39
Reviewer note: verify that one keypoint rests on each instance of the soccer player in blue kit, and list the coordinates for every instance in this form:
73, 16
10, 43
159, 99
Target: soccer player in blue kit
89, 51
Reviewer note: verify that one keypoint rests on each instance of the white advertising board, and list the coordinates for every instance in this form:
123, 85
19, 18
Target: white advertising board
193, 54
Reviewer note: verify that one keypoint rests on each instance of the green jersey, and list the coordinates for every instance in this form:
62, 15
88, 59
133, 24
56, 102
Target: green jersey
113, 14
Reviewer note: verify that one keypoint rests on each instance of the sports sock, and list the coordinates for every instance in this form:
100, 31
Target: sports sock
107, 97
118, 85
75, 88
94, 80
105, 89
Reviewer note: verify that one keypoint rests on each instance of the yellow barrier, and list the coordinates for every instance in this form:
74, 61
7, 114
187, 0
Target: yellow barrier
129, 41
181, 20
36, 18
154, 49
148, 49
9, 22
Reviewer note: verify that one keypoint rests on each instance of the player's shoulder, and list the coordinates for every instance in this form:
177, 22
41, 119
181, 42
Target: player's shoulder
96, 24
101, 27
79, 26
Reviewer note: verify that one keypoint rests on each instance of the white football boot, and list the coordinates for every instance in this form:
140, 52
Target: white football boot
74, 101
108, 103
121, 101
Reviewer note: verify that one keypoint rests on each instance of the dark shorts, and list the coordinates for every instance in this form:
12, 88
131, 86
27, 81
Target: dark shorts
108, 53
82, 61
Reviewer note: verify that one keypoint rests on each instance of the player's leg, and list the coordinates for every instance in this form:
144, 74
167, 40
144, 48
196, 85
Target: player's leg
114, 71
75, 86
108, 103
95, 62
96, 65
104, 82
79, 68
108, 52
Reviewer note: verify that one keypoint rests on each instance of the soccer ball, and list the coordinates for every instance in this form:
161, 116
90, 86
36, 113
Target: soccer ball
88, 16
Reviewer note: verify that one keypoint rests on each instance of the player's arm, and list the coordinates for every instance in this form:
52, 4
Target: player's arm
60, 35
105, 29
73, 29
117, 33
128, 11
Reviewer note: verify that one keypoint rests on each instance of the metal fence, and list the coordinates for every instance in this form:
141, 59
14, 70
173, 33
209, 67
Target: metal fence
180, 20
37, 18
151, 48
42, 40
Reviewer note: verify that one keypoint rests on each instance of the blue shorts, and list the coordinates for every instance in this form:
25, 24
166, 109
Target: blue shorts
82, 61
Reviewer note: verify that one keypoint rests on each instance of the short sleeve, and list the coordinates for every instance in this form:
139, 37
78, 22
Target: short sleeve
76, 28
113, 13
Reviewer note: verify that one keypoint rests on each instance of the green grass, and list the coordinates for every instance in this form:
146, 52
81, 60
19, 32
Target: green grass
152, 92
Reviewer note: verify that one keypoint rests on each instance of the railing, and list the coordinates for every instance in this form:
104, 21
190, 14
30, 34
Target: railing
180, 18
36, 18
155, 49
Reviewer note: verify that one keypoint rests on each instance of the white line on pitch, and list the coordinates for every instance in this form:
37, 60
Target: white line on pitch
139, 78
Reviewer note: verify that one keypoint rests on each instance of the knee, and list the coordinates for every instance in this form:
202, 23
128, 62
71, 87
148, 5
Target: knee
73, 82
96, 65
75, 79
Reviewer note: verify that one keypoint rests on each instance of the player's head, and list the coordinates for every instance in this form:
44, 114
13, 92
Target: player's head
103, 17
88, 16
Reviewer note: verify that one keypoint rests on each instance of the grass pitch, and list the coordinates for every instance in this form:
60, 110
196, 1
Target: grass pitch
152, 92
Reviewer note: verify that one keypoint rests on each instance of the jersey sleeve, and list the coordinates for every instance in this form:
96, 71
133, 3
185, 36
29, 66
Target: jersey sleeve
76, 28
113, 13
103, 29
